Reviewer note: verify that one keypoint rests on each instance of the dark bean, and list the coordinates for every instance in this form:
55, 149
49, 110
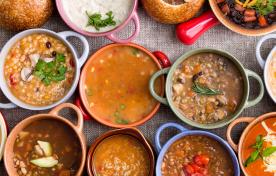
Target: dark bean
54, 53
197, 75
48, 44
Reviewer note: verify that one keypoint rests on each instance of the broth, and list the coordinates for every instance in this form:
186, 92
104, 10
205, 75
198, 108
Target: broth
265, 166
47, 147
271, 74
116, 85
121, 155
197, 155
207, 88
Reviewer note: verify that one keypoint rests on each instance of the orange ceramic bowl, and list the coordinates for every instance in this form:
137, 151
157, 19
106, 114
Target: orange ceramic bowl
83, 103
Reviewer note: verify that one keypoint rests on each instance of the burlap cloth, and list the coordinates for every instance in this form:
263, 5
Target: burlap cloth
156, 36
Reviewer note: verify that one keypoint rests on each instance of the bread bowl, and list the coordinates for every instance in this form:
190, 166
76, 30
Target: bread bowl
172, 11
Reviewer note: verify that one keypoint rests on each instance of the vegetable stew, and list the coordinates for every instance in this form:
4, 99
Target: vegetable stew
207, 88
47, 147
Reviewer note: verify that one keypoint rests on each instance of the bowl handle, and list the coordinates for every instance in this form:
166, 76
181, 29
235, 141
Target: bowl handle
7, 105
79, 104
81, 60
230, 128
188, 32
151, 85
57, 109
258, 48
135, 19
161, 129
255, 101
162, 58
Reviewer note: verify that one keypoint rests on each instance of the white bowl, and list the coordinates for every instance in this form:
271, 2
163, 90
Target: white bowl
4, 133
265, 63
62, 36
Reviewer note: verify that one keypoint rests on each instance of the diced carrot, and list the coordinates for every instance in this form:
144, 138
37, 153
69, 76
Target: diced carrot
201, 160
191, 93
197, 69
209, 108
249, 18
262, 21
189, 169
250, 12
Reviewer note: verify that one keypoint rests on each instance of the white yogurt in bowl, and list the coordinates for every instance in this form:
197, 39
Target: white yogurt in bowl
76, 11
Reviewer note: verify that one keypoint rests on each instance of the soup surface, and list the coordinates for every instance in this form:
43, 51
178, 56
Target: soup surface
197, 155
116, 85
121, 155
97, 15
47, 148
271, 74
261, 142
207, 88
252, 14
39, 70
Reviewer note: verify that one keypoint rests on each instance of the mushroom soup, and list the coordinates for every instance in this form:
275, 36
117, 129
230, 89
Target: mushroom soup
97, 15
39, 69
271, 75
207, 88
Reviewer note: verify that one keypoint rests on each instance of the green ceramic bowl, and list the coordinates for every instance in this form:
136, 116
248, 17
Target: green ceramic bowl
168, 89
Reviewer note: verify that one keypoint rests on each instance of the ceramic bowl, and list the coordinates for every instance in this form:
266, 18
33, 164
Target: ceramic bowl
266, 63
245, 103
133, 16
252, 121
3, 134
82, 102
53, 115
62, 36
126, 131
185, 132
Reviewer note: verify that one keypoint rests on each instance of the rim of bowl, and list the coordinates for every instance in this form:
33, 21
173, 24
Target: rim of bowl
229, 57
73, 26
5, 51
214, 137
266, 72
82, 83
245, 132
4, 133
237, 28
124, 131
9, 165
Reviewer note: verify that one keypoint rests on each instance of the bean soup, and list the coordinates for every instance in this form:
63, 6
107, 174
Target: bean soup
207, 88
39, 70
197, 156
47, 147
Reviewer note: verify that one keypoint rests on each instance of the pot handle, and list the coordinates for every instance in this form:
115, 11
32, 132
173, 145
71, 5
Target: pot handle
84, 55
135, 19
57, 109
79, 104
188, 32
258, 48
161, 129
255, 101
151, 85
230, 128
162, 58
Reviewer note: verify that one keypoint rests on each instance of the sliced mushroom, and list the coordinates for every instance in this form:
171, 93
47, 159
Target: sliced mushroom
34, 59
26, 74
178, 88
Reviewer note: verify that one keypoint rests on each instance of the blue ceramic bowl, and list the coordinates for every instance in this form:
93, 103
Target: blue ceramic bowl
185, 132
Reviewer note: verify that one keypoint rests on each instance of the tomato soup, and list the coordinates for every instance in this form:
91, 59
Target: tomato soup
258, 149
121, 155
116, 85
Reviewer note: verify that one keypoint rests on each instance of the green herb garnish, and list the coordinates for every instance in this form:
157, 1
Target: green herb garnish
89, 92
259, 152
122, 106
121, 121
199, 89
53, 71
264, 7
97, 22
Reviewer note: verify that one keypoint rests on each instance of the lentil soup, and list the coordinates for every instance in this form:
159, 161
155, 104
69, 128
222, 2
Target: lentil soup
197, 155
47, 147
121, 155
207, 88
116, 85
39, 69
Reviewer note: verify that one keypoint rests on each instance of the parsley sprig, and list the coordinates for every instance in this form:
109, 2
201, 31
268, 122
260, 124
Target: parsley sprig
97, 22
259, 151
53, 71
264, 7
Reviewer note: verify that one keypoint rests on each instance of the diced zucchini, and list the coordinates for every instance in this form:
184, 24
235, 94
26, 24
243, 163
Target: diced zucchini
46, 147
45, 162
